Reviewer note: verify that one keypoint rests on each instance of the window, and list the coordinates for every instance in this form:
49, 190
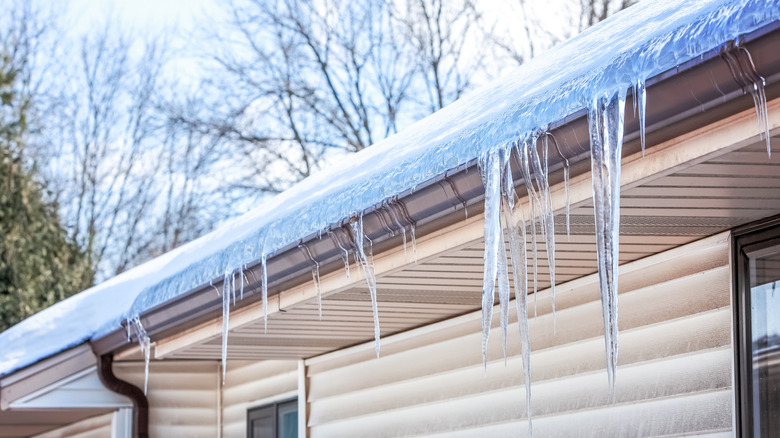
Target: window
757, 325
279, 420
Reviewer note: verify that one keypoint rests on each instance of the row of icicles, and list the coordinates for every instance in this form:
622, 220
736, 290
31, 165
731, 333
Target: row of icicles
606, 123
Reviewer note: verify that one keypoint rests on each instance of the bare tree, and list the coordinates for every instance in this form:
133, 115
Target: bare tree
533, 29
128, 187
442, 33
107, 124
301, 81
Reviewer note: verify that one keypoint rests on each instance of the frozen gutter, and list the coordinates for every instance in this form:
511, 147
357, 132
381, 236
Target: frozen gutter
693, 94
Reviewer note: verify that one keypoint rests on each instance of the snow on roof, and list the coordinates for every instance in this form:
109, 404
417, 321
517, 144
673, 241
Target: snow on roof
638, 43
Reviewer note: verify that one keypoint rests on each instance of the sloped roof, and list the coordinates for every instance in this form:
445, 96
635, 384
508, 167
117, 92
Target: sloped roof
638, 43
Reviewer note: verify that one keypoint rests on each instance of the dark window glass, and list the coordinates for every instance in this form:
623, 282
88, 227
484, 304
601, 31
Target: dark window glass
765, 341
287, 420
279, 420
756, 301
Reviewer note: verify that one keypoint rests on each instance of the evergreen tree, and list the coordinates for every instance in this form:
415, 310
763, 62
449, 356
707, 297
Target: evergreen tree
39, 266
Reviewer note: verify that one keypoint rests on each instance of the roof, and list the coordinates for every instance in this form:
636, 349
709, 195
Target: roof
636, 44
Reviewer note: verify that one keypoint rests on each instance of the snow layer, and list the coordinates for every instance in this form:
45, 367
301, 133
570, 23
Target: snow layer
644, 40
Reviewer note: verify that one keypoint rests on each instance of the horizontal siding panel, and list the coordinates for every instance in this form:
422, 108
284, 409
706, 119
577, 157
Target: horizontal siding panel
183, 396
254, 383
707, 370
637, 346
698, 415
674, 374
95, 427
480, 415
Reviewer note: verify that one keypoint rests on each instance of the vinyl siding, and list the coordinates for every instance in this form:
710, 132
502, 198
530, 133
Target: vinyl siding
183, 396
250, 384
674, 375
95, 427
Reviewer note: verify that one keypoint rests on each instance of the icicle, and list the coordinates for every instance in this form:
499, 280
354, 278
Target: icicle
605, 118
315, 276
264, 275
640, 102
547, 219
403, 230
144, 343
370, 251
533, 200
508, 181
243, 277
568, 199
398, 224
566, 172
225, 319
503, 293
490, 166
368, 271
414, 243
517, 253
759, 100
344, 251
233, 284
507, 187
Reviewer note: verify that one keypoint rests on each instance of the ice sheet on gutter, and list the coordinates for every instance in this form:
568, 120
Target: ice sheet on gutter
639, 43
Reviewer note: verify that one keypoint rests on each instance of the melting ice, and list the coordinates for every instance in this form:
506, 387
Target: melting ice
226, 282
605, 119
368, 272
134, 327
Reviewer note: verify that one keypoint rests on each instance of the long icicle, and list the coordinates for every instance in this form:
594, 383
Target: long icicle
507, 186
547, 218
226, 282
533, 200
143, 342
490, 168
566, 185
518, 255
264, 278
241, 275
503, 270
640, 104
759, 101
503, 294
315, 276
368, 271
605, 118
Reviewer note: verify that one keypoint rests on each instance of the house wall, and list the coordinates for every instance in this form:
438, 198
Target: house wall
251, 384
183, 396
674, 375
95, 427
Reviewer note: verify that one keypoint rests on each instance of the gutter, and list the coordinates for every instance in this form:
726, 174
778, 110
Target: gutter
693, 94
105, 371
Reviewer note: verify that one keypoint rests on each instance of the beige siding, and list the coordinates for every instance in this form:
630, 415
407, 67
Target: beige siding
95, 427
183, 396
254, 383
674, 374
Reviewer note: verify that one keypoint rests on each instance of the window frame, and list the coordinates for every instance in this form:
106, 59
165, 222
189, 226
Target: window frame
252, 414
749, 241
